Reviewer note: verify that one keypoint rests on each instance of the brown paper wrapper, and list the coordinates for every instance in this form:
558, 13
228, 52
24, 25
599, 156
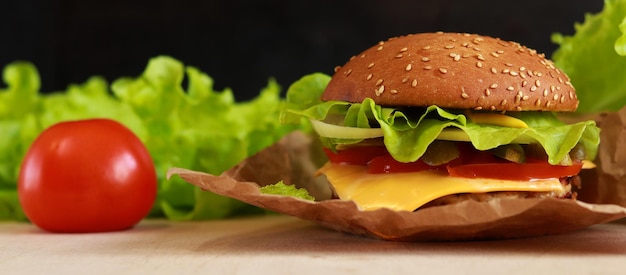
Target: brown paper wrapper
290, 160
607, 183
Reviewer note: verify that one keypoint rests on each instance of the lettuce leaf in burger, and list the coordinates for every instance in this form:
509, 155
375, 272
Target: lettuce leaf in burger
438, 118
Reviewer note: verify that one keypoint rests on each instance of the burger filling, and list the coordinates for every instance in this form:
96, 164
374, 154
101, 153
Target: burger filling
408, 157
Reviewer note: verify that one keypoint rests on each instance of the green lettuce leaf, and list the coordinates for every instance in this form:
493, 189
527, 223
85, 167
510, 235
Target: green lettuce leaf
595, 58
408, 132
280, 188
192, 126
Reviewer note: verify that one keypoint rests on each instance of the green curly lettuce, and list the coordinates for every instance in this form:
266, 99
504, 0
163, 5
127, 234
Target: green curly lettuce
408, 132
195, 127
595, 58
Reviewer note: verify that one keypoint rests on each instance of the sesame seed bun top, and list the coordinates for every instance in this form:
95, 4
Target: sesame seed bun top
453, 70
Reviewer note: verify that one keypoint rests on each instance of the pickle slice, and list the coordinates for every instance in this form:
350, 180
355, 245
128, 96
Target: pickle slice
440, 152
510, 152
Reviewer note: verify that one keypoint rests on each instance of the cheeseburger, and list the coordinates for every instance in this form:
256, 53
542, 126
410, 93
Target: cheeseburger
439, 118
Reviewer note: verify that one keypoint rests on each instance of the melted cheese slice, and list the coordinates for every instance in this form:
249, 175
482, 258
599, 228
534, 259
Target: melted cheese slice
409, 191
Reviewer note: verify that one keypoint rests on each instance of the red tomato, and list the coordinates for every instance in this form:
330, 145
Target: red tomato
359, 155
514, 171
387, 164
87, 176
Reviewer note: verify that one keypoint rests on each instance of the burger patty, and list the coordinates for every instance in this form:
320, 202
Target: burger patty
567, 182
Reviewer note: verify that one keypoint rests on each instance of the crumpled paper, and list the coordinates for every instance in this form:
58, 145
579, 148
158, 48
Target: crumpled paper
292, 160
607, 183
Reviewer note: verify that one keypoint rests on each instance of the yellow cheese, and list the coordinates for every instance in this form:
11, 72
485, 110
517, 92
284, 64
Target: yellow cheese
409, 191
496, 119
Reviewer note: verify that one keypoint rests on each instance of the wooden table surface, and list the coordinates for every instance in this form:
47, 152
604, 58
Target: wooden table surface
279, 244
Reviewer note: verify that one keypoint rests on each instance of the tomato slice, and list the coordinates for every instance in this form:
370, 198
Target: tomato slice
386, 164
359, 155
471, 164
514, 171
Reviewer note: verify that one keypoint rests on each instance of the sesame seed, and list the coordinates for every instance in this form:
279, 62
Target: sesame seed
571, 95
426, 48
369, 76
552, 88
337, 68
443, 70
425, 59
494, 54
506, 71
533, 88
509, 64
555, 97
510, 88
538, 102
493, 108
500, 51
503, 102
524, 83
380, 90
457, 58
480, 57
379, 48
362, 56
518, 108
562, 98
453, 55
408, 67
476, 49
478, 108
494, 70
548, 103
538, 73
537, 83
378, 82
399, 55
405, 80
404, 49
414, 82
479, 64
513, 73
348, 72
545, 93
522, 69
524, 98
464, 95
449, 47
561, 80
487, 92
370, 65
529, 73
494, 85
428, 68
394, 91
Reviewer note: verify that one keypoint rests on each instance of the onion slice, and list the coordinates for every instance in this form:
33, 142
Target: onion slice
336, 131
329, 130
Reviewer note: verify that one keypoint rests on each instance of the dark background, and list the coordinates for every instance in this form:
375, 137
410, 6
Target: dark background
241, 43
